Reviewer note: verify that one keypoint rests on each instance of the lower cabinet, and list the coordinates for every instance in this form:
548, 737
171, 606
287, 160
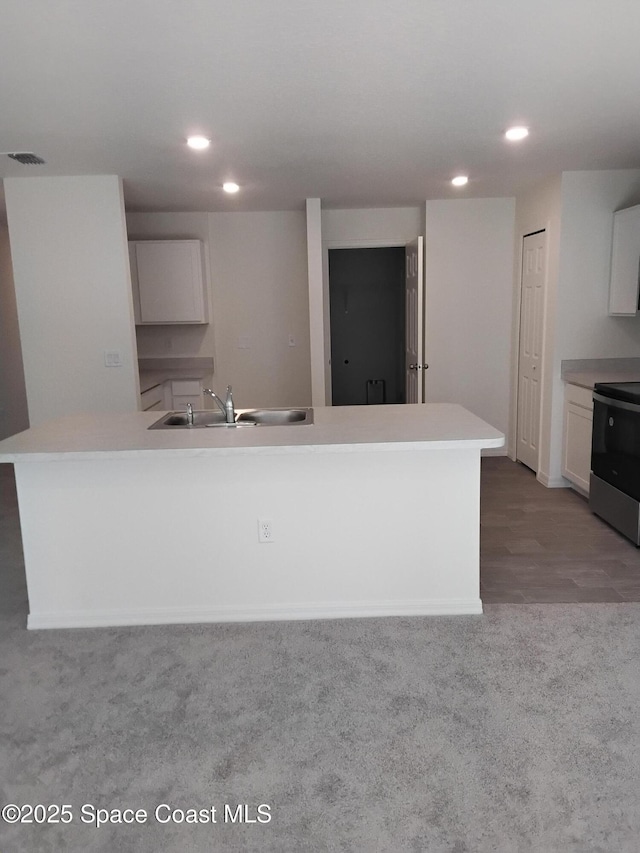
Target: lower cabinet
183, 391
173, 395
152, 398
576, 436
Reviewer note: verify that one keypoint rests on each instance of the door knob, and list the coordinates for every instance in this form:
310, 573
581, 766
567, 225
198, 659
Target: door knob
426, 366
413, 367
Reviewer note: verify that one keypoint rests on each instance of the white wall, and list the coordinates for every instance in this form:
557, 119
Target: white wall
260, 298
319, 340
367, 226
257, 272
583, 328
73, 293
14, 416
577, 210
469, 269
173, 340
342, 547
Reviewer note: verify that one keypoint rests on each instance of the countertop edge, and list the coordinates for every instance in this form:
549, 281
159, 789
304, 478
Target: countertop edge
588, 379
268, 450
585, 373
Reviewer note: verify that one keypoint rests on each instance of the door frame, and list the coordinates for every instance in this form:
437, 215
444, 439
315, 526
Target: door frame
417, 250
515, 360
343, 244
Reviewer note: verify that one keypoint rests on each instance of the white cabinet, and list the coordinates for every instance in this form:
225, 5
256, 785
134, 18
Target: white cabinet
173, 394
183, 391
153, 398
576, 437
169, 283
625, 262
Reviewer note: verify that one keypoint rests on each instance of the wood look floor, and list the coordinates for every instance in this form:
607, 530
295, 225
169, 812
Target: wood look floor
544, 545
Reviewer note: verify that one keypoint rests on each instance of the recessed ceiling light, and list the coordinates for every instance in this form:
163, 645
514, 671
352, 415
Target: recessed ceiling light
516, 133
230, 187
460, 180
198, 142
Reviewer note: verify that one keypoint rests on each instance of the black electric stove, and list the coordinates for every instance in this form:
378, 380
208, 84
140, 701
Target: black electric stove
627, 391
614, 492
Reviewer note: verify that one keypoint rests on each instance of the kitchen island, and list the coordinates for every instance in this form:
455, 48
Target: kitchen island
372, 511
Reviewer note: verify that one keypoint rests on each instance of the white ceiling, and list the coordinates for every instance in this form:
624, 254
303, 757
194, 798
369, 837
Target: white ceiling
358, 102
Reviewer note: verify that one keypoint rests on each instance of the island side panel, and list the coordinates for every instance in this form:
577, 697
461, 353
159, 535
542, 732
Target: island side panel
166, 540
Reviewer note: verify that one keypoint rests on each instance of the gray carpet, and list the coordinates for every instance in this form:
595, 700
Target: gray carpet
514, 731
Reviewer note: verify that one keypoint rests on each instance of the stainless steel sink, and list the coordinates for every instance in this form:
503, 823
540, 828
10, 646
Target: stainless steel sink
244, 418
275, 417
179, 419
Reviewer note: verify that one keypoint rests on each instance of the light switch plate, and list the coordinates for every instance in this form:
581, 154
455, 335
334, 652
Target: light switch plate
112, 358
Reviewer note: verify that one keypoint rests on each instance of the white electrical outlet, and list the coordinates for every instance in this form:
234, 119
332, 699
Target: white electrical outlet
265, 530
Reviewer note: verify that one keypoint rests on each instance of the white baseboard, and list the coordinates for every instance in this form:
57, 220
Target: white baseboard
552, 482
268, 613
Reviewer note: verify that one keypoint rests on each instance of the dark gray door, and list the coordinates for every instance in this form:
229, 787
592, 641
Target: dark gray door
366, 293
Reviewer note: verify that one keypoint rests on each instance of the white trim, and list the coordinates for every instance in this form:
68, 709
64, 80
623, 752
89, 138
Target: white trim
267, 613
315, 282
552, 482
327, 246
365, 244
513, 432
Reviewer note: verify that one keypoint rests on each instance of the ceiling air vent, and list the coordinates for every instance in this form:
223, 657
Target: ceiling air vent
27, 158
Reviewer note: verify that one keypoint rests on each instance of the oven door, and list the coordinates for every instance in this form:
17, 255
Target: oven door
615, 447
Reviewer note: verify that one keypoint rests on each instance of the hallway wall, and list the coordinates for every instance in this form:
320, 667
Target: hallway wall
14, 416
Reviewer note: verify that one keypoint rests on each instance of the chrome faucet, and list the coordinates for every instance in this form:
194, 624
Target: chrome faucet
226, 407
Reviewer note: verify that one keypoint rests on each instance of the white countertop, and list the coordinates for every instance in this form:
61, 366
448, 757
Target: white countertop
588, 378
587, 371
335, 429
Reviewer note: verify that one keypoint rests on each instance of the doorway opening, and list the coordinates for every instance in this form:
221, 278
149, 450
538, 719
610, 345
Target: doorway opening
367, 317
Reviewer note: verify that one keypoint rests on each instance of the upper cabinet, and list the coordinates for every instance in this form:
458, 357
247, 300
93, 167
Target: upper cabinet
625, 262
169, 283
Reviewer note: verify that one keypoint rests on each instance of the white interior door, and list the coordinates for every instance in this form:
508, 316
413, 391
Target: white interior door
534, 250
414, 322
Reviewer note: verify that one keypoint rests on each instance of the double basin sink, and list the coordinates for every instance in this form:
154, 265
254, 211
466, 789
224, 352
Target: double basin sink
243, 418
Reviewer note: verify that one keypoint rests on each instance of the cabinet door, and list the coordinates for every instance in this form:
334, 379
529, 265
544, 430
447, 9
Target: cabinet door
153, 398
576, 450
170, 282
625, 262
185, 391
